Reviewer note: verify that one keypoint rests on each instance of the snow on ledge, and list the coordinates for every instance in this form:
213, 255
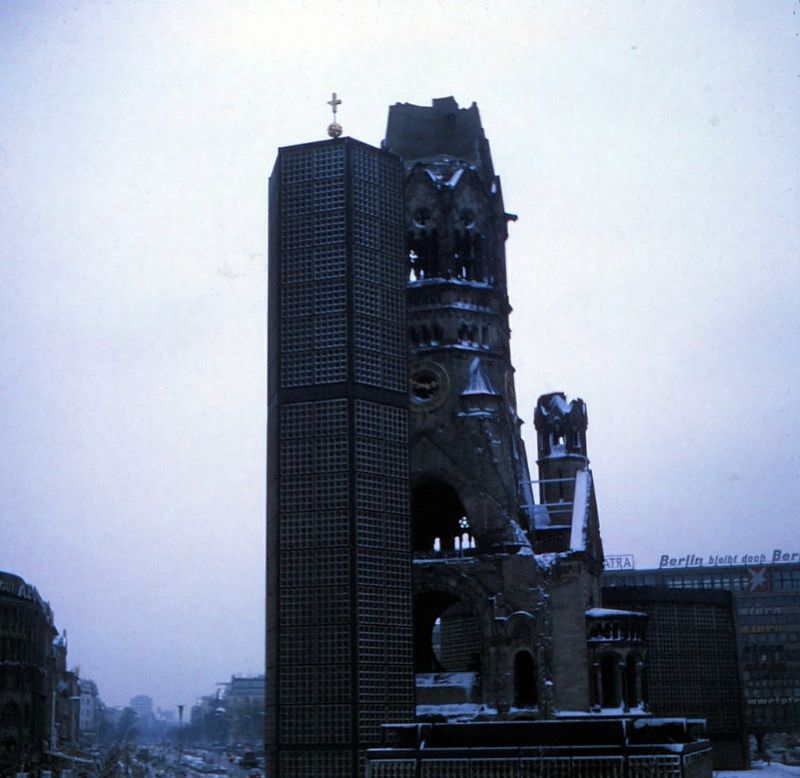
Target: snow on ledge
602, 613
430, 680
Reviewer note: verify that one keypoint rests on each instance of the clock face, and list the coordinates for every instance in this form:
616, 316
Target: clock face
428, 384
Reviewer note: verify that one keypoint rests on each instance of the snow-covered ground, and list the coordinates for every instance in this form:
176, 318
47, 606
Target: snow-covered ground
761, 770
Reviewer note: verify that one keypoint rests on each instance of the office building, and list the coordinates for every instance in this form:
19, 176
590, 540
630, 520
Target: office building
692, 667
766, 597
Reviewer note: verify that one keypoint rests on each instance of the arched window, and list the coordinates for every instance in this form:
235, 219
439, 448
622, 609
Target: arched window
631, 681
609, 681
436, 512
525, 692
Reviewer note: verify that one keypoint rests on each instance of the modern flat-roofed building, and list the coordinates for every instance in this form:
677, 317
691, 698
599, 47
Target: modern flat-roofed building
766, 596
691, 668
244, 701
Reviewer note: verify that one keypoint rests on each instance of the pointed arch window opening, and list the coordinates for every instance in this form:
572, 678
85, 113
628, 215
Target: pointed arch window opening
460, 543
525, 685
440, 522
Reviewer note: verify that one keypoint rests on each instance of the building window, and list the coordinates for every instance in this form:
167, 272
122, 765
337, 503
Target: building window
609, 681
525, 695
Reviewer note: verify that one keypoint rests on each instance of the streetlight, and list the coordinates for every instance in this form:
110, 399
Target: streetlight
180, 734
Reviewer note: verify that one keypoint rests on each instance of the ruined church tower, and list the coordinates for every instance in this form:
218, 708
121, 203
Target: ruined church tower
481, 630
410, 574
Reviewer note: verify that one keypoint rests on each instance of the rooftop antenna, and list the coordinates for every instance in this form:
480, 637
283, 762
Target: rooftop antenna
334, 128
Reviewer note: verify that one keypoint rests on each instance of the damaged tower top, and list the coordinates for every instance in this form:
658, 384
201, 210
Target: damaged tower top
416, 132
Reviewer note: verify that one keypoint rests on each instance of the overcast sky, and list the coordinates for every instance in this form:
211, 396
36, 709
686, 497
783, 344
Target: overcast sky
651, 150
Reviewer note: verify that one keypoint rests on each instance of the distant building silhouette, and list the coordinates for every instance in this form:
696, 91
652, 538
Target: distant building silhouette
26, 681
91, 711
40, 698
244, 702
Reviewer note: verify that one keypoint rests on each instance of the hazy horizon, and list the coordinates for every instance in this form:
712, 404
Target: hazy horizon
650, 151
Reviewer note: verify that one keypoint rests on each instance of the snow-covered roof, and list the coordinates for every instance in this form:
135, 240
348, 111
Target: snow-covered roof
431, 680
546, 561
541, 517
520, 537
447, 177
599, 613
559, 401
463, 711
436, 280
478, 382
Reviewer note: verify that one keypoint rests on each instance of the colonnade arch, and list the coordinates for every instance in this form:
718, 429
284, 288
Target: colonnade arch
619, 680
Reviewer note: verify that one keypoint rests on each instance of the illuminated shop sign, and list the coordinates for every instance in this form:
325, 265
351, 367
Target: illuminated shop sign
778, 556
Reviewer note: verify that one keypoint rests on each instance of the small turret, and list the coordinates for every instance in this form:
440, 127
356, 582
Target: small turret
561, 443
561, 427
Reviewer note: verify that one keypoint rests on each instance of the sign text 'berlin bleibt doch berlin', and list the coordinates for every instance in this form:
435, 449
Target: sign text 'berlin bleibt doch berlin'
719, 560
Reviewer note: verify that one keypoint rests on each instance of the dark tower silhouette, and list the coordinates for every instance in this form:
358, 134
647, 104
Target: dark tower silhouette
568, 532
482, 612
393, 432
561, 442
411, 577
339, 634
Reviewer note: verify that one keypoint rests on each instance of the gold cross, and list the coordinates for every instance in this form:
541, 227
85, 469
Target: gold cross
333, 103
